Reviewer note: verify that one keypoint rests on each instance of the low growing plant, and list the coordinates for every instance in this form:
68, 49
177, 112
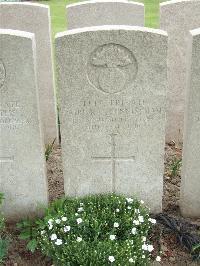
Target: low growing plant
94, 230
49, 149
4, 242
196, 252
175, 166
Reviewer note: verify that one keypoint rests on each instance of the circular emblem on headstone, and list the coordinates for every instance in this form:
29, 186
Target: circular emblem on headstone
111, 68
2, 73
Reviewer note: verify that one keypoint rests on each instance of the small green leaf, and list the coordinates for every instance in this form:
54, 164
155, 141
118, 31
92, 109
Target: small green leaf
25, 235
24, 223
32, 245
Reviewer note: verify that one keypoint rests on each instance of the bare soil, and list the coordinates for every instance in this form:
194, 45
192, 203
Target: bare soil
173, 253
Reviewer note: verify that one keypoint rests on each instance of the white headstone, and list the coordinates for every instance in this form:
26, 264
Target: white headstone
35, 18
177, 18
22, 165
112, 82
190, 181
105, 12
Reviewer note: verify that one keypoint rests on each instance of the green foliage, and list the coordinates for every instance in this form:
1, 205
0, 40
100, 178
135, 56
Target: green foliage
1, 198
1, 216
49, 149
94, 230
4, 242
3, 249
175, 166
196, 252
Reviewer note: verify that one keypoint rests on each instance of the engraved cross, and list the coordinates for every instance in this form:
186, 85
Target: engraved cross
113, 158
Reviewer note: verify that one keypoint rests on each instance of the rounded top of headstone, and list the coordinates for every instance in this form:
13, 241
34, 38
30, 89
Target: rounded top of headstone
24, 4
19, 33
177, 2
104, 1
12, 34
112, 27
195, 32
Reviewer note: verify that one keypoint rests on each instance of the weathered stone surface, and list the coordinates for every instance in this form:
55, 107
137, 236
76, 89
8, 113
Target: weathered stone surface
104, 12
35, 18
177, 18
190, 181
22, 165
112, 82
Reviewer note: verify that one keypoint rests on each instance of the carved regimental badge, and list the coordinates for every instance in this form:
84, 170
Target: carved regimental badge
2, 73
111, 68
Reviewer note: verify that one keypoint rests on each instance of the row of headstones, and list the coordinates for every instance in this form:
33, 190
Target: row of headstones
177, 18
112, 82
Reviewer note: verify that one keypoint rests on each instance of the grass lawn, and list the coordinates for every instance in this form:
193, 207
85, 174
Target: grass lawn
59, 17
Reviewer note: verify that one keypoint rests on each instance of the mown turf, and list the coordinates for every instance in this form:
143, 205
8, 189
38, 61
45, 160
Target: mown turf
58, 13
151, 13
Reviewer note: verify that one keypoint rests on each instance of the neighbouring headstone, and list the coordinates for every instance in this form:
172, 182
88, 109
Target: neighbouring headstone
35, 18
22, 165
177, 18
104, 12
112, 82
190, 180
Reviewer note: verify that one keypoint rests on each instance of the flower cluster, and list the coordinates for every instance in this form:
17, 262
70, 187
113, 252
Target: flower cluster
97, 230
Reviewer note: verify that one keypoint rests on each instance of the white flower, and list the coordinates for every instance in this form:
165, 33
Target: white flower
145, 247
50, 221
117, 210
153, 221
112, 237
144, 238
137, 211
158, 258
53, 237
79, 221
150, 248
111, 258
58, 221
129, 200
141, 219
131, 260
129, 207
136, 222
142, 202
67, 229
76, 214
79, 239
58, 242
81, 204
116, 225
133, 231
143, 256
64, 219
80, 209
50, 226
42, 232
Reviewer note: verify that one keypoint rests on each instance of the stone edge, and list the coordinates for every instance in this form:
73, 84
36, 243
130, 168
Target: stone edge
174, 2
18, 33
104, 1
111, 27
24, 4
195, 32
